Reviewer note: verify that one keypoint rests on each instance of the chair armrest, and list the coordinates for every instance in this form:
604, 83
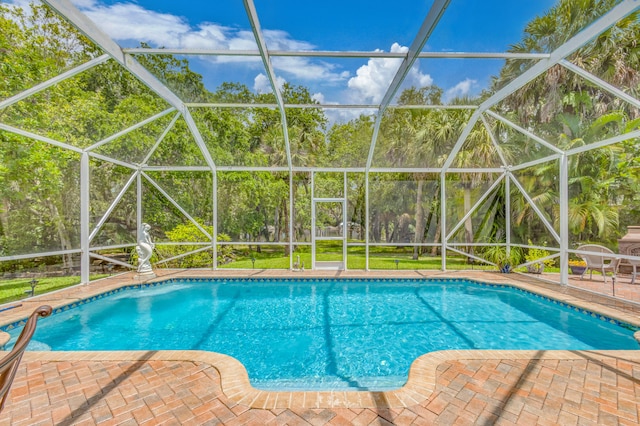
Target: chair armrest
9, 363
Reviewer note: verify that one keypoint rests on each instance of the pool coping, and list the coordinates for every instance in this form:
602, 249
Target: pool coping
234, 379
604, 313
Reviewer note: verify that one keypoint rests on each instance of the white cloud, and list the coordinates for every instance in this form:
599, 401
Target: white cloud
343, 115
128, 21
419, 79
280, 40
261, 84
338, 115
373, 79
461, 89
304, 69
319, 98
83, 3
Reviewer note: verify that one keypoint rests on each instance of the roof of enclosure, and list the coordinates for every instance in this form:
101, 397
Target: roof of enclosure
355, 59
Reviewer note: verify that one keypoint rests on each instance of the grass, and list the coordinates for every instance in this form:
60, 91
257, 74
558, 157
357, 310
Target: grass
356, 259
380, 258
20, 288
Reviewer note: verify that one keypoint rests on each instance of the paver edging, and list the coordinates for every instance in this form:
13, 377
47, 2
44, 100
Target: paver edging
604, 313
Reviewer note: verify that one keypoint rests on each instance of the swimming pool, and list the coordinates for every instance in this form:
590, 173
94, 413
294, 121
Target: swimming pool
325, 333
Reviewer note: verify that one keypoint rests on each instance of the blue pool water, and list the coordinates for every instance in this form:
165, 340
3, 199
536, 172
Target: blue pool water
326, 334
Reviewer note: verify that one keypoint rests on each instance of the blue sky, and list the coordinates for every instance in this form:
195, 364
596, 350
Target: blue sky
467, 25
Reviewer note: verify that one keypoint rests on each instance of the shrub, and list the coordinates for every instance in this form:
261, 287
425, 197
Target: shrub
188, 232
535, 253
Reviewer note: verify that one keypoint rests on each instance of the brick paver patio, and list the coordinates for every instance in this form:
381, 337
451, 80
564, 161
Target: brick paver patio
591, 389
451, 387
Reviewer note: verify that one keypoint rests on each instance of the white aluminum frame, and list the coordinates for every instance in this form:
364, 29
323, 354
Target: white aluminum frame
126, 58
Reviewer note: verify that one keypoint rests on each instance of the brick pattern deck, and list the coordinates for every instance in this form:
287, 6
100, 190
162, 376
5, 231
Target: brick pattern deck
453, 387
589, 390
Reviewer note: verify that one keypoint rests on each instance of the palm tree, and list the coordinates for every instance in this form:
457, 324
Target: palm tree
591, 209
612, 56
422, 137
563, 107
478, 151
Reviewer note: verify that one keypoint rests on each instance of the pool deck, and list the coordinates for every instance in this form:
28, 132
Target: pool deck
448, 387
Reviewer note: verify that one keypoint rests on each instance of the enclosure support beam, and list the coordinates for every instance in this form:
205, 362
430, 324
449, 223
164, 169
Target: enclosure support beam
601, 83
264, 54
291, 221
532, 163
86, 26
574, 43
313, 221
535, 208
97, 156
214, 240
332, 53
524, 132
324, 105
461, 140
177, 205
130, 129
182, 255
493, 140
193, 128
44, 139
564, 220
477, 205
112, 260
346, 224
138, 203
366, 220
428, 25
602, 24
507, 210
604, 143
443, 220
161, 138
61, 77
112, 207
84, 218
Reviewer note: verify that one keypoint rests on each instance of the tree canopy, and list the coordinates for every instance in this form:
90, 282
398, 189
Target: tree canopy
39, 182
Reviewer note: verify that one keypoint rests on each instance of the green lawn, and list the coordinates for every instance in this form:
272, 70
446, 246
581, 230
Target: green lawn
380, 258
355, 260
15, 289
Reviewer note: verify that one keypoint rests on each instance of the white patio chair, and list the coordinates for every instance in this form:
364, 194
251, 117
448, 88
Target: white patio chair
601, 260
634, 265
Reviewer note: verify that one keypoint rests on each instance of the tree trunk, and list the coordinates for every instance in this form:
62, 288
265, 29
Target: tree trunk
434, 249
385, 227
375, 229
276, 225
4, 217
392, 237
63, 234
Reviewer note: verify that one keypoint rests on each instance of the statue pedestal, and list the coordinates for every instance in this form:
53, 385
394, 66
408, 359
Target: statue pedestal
144, 276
